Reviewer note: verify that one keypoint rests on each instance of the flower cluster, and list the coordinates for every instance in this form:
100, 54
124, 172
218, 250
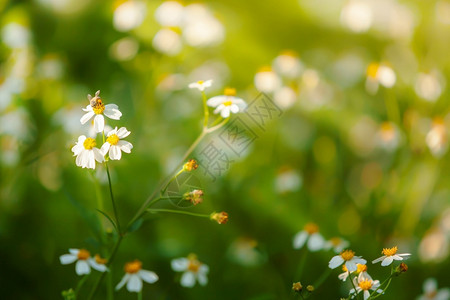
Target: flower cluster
86, 150
315, 241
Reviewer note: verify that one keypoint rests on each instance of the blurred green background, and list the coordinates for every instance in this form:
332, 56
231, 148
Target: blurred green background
360, 147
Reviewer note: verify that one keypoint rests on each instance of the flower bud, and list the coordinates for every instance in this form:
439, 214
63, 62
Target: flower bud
221, 218
310, 288
195, 197
297, 287
402, 268
190, 165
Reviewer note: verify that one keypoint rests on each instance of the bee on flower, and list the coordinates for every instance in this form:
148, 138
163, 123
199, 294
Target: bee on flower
348, 258
311, 236
431, 292
390, 254
365, 285
87, 153
84, 261
97, 108
134, 275
201, 85
193, 270
227, 103
114, 144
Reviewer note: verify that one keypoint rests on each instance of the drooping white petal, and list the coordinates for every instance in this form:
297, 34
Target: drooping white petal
82, 267
90, 159
366, 295
97, 266
316, 242
115, 153
123, 133
88, 108
67, 259
387, 261
124, 280
99, 123
240, 103
202, 279
204, 269
397, 257
112, 111
188, 279
234, 108
86, 117
81, 158
77, 149
148, 276
335, 262
351, 265
300, 239
215, 101
378, 259
98, 155
74, 251
179, 264
359, 260
343, 276
134, 283
125, 146
105, 147
225, 112
111, 131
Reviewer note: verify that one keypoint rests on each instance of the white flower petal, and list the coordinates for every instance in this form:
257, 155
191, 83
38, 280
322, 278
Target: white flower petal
387, 261
115, 153
97, 266
148, 276
90, 159
99, 123
225, 112
216, 101
234, 108
134, 283
74, 251
86, 117
202, 279
112, 112
105, 147
188, 279
359, 260
351, 266
82, 267
430, 285
240, 103
98, 155
397, 257
123, 133
204, 269
124, 280
80, 160
316, 242
180, 264
343, 276
88, 108
366, 295
378, 259
77, 149
300, 239
67, 259
125, 146
335, 262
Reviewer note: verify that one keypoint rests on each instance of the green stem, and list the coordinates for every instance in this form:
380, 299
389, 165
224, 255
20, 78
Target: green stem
388, 280
116, 216
214, 128
322, 278
172, 179
139, 296
182, 212
353, 285
205, 110
81, 283
301, 264
110, 260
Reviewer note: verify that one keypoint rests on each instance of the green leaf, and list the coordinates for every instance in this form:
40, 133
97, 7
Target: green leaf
136, 225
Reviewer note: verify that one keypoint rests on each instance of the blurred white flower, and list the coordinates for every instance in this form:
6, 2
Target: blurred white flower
170, 13
84, 261
337, 244
51, 67
431, 292
98, 109
311, 236
436, 138
357, 15
428, 86
201, 85
167, 41
11, 86
114, 144
129, 15
348, 258
243, 251
388, 136
227, 103
15, 35
134, 275
434, 246
288, 64
87, 153
389, 255
15, 123
124, 49
193, 270
200, 28
285, 97
216, 70
365, 285
379, 74
266, 80
287, 180
443, 11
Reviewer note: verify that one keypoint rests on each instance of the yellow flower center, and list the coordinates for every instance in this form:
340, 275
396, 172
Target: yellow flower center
99, 107
344, 268
372, 70
335, 241
389, 251
89, 143
365, 284
311, 228
133, 267
200, 82
194, 264
347, 254
100, 260
113, 139
361, 268
229, 92
228, 103
83, 254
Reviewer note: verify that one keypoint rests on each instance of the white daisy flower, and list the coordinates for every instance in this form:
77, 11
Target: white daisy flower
114, 144
134, 276
348, 258
390, 254
227, 103
98, 109
365, 285
310, 235
201, 85
430, 291
87, 153
193, 270
361, 271
84, 261
337, 244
